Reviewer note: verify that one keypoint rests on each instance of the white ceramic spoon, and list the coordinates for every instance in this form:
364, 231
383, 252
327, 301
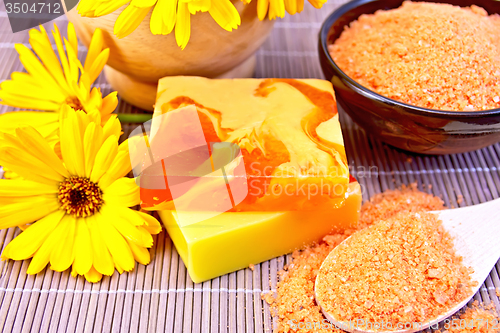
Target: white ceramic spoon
476, 230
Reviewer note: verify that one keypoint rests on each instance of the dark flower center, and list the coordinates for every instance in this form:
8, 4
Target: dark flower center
74, 102
80, 197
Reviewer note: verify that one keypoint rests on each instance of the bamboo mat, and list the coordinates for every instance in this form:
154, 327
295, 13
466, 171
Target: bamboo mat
161, 297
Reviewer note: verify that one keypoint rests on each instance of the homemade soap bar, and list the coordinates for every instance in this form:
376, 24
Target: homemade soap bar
234, 240
287, 129
286, 184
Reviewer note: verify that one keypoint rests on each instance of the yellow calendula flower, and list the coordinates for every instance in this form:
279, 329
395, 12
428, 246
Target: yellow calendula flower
76, 207
165, 15
54, 79
276, 8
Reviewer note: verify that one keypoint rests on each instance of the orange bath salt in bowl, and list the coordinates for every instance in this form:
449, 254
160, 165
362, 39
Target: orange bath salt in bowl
431, 55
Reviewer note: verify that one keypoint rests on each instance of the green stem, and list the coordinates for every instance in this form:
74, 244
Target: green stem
134, 118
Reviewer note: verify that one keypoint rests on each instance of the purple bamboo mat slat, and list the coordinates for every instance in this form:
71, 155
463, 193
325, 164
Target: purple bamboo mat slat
161, 297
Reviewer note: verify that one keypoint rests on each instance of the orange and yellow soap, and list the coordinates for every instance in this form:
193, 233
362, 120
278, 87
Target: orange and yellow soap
299, 187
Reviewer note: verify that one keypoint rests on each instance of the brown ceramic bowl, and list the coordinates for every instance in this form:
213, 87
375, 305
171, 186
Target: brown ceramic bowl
402, 125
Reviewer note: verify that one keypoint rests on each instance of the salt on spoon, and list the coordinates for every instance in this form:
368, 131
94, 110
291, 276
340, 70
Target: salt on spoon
475, 231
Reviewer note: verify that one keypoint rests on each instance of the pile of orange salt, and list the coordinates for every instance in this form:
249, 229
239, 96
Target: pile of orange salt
431, 55
400, 271
295, 304
475, 319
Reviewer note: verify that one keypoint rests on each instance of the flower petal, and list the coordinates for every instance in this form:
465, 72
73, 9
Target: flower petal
29, 241
96, 56
72, 39
125, 221
35, 144
95, 47
157, 24
41, 45
45, 122
276, 9
143, 3
93, 275
27, 166
95, 68
74, 63
109, 104
42, 255
262, 7
26, 211
225, 14
112, 127
91, 143
183, 25
71, 143
300, 6
199, 6
63, 59
103, 263
23, 88
104, 158
169, 10
317, 3
107, 7
119, 168
123, 192
152, 224
17, 100
291, 6
34, 66
129, 20
25, 188
141, 254
118, 248
63, 253
83, 248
